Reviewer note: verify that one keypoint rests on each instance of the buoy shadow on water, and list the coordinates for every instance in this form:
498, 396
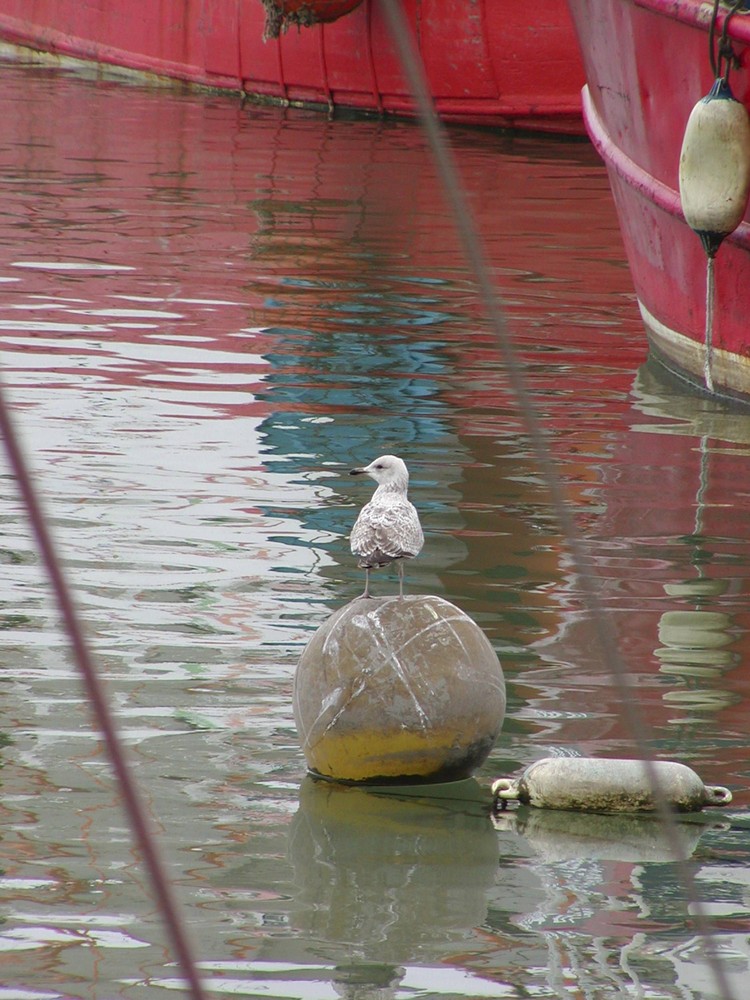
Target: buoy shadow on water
394, 876
561, 835
400, 691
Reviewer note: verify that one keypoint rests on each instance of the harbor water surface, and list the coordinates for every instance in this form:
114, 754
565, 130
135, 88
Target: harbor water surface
209, 313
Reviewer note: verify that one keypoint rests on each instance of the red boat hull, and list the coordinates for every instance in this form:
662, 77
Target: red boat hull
647, 64
491, 62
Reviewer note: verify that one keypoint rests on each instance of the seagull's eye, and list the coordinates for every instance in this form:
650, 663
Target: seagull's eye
378, 466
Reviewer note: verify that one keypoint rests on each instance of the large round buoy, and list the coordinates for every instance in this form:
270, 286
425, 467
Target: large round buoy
280, 14
715, 166
398, 690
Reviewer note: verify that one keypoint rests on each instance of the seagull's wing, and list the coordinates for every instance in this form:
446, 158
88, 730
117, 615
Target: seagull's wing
408, 529
383, 533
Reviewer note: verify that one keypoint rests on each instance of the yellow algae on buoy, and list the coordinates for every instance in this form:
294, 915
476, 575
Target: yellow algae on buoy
398, 690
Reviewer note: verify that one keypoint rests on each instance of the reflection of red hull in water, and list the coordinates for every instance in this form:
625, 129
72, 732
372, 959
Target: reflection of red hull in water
647, 64
669, 545
499, 64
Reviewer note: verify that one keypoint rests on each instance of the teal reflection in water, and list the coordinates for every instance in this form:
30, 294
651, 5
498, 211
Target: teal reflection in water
394, 382
337, 401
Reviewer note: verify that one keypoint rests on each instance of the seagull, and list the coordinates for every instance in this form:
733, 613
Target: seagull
387, 529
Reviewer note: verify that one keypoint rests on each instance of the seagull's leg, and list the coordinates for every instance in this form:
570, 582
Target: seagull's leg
367, 583
400, 566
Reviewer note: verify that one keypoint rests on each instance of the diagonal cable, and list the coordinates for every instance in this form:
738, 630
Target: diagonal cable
134, 807
402, 36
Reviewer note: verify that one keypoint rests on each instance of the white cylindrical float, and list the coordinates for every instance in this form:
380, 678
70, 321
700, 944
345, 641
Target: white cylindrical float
588, 784
715, 166
714, 179
398, 690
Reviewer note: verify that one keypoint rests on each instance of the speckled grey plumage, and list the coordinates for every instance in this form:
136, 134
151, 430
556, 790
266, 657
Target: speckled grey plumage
387, 529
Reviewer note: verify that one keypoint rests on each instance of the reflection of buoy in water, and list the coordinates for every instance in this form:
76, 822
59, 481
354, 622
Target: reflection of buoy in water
397, 876
715, 182
567, 836
587, 784
398, 690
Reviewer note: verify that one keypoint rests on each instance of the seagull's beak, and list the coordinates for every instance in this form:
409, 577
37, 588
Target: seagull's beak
358, 472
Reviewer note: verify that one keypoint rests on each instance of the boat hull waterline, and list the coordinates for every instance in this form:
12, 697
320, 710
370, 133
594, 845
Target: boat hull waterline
487, 63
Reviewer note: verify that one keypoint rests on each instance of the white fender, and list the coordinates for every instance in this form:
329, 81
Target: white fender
589, 784
715, 166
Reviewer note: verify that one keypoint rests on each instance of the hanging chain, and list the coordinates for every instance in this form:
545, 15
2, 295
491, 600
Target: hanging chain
722, 55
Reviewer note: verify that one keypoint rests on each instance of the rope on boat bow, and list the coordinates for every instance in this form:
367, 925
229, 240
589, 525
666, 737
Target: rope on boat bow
722, 54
